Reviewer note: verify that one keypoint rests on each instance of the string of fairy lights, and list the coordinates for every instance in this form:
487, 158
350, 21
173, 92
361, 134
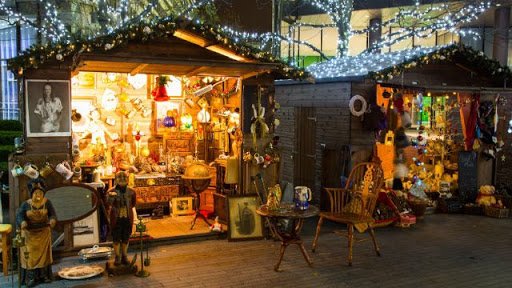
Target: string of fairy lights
339, 11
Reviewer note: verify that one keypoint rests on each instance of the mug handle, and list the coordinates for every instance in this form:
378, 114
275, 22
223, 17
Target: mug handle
66, 164
309, 194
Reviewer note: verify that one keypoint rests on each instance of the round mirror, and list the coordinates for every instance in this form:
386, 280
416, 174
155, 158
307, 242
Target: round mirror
73, 202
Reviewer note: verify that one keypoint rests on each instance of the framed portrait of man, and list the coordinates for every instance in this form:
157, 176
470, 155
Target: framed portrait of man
48, 107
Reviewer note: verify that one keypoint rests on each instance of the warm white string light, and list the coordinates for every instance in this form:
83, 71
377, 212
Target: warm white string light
339, 11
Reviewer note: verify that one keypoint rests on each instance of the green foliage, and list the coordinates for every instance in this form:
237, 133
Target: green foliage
10, 125
7, 137
5, 150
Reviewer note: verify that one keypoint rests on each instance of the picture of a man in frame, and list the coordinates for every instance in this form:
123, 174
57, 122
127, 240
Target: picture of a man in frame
47, 106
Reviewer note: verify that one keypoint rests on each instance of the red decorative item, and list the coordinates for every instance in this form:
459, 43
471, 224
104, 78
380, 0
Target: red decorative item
160, 92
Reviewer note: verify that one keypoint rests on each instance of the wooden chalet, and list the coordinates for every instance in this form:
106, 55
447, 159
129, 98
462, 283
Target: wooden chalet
322, 137
179, 48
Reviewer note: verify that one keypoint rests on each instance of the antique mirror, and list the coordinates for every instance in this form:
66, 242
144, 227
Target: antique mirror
73, 202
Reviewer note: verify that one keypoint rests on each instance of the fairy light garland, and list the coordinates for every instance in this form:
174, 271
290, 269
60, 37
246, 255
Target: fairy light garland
37, 55
386, 66
244, 43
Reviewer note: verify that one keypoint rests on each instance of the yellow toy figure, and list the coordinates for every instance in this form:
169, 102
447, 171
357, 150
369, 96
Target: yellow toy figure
121, 199
36, 217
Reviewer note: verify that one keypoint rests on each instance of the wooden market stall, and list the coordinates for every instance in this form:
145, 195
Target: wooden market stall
147, 99
341, 119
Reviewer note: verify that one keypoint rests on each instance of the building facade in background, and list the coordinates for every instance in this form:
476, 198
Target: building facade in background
259, 16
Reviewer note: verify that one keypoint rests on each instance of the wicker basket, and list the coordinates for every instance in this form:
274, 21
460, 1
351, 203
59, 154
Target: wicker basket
496, 212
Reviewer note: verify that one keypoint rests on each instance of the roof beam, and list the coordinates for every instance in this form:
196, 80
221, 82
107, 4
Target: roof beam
226, 52
137, 69
196, 70
191, 37
174, 61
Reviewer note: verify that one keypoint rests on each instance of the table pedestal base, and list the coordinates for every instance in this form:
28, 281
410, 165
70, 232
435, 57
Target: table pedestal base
288, 239
284, 245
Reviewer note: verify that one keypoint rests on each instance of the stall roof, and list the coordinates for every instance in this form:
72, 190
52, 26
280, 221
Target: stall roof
386, 66
178, 47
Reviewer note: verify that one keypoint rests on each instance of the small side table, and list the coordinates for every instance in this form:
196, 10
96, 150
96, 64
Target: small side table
292, 235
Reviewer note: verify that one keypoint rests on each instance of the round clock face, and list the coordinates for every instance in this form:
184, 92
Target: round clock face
109, 100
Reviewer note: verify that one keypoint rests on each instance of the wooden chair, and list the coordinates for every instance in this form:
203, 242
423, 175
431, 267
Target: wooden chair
354, 204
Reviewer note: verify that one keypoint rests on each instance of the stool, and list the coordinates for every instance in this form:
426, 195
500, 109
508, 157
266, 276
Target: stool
5, 231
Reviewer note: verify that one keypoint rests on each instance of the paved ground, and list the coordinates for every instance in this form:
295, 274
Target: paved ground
441, 251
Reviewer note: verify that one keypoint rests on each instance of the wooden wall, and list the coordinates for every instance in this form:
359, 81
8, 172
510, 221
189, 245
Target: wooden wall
504, 166
442, 74
330, 101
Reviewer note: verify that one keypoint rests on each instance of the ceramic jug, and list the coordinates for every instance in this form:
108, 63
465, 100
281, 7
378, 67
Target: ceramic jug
301, 197
64, 169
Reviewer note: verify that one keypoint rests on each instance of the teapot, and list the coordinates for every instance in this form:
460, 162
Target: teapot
301, 197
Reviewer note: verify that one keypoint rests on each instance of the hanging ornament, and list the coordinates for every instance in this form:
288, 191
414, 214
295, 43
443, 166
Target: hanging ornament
109, 100
137, 81
160, 92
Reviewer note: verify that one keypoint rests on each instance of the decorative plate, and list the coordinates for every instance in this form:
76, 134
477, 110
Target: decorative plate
80, 272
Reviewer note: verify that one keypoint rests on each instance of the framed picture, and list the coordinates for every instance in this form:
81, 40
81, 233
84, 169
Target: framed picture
182, 206
48, 109
244, 223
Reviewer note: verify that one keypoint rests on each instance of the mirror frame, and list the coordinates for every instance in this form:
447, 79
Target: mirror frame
97, 201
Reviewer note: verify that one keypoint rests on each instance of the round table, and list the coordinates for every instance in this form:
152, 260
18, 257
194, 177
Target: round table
292, 234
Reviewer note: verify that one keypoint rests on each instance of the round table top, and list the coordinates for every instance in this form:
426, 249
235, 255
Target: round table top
288, 212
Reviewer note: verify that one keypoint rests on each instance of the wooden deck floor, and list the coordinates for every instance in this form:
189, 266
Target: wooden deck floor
175, 226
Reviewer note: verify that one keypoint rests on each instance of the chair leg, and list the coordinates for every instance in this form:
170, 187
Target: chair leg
318, 226
350, 243
375, 245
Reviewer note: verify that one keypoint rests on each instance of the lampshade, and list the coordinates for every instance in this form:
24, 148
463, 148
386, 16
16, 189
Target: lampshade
203, 116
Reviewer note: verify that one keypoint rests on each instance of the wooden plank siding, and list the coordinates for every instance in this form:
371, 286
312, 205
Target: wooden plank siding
330, 101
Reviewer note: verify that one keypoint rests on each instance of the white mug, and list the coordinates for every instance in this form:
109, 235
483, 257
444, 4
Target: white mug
17, 170
64, 170
31, 171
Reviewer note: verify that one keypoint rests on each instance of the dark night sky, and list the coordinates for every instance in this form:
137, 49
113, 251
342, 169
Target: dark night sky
251, 15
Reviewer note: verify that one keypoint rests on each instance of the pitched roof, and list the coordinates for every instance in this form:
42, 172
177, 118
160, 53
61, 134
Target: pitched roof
388, 65
222, 50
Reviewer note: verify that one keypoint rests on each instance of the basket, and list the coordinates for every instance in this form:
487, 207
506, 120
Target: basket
496, 212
